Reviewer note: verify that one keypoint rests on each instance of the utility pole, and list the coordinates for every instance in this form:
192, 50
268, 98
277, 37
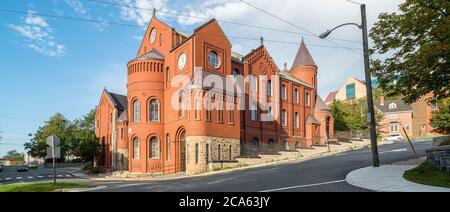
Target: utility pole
371, 111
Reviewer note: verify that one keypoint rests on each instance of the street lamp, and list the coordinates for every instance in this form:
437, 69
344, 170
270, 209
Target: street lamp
371, 114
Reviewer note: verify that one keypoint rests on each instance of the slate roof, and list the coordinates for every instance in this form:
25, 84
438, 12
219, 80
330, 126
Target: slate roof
303, 57
123, 116
320, 105
401, 106
331, 96
119, 101
312, 120
286, 75
152, 55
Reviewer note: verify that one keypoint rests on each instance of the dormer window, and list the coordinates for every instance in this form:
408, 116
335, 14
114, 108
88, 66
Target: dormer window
392, 106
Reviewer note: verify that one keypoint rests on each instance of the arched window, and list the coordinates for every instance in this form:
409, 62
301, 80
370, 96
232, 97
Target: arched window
136, 148
196, 153
307, 99
168, 147
236, 72
296, 120
197, 110
136, 111
253, 83
167, 77
219, 152
283, 118
295, 95
154, 147
269, 88
253, 112
154, 110
283, 92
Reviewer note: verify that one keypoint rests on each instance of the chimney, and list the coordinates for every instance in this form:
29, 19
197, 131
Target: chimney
382, 100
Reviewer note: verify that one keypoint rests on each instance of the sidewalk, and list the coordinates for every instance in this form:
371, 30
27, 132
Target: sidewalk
389, 178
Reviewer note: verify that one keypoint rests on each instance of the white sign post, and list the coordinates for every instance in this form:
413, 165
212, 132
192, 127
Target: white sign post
54, 151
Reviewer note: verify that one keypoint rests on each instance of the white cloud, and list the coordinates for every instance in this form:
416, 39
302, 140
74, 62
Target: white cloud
37, 33
77, 6
140, 11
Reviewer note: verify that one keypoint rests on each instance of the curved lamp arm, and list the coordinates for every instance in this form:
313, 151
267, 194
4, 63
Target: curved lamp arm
328, 32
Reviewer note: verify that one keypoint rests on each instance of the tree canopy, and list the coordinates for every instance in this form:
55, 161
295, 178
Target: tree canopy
13, 155
418, 38
441, 117
77, 137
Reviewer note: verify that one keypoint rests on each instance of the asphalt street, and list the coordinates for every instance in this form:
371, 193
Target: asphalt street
325, 174
10, 175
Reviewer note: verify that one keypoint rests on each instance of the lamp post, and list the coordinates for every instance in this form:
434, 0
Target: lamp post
371, 111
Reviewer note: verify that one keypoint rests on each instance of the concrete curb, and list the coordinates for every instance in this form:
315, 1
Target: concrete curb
388, 178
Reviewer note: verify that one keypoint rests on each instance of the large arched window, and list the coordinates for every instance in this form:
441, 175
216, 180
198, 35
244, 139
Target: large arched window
136, 148
154, 110
154, 147
136, 111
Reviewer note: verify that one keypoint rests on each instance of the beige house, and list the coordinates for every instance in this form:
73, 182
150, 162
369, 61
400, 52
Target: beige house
352, 89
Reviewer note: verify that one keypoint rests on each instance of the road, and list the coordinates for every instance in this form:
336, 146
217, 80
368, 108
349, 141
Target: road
317, 175
10, 175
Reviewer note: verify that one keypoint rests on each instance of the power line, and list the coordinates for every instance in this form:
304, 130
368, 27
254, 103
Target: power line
18, 118
138, 26
206, 18
292, 24
353, 2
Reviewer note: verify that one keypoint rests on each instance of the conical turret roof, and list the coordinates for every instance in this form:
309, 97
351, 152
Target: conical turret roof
303, 57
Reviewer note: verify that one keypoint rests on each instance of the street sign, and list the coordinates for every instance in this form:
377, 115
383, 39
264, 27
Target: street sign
53, 151
53, 140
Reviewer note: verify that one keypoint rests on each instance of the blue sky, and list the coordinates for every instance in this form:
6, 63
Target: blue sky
51, 65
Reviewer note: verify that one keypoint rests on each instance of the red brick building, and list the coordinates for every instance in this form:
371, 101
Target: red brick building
147, 132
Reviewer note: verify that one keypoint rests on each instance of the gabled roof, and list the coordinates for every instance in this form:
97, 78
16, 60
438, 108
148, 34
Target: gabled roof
303, 57
120, 101
312, 120
400, 106
123, 116
320, 105
331, 96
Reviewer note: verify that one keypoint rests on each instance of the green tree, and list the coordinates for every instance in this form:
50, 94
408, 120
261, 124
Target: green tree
57, 125
84, 134
418, 37
338, 111
441, 118
13, 155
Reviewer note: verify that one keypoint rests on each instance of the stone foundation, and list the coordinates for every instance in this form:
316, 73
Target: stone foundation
204, 151
122, 160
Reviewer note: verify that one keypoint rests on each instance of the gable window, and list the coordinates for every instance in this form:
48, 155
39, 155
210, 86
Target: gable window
154, 110
253, 112
350, 91
307, 99
392, 106
269, 88
283, 118
136, 111
136, 148
213, 59
154, 147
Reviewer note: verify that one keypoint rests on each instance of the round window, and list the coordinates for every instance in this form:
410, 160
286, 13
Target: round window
153, 36
214, 59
